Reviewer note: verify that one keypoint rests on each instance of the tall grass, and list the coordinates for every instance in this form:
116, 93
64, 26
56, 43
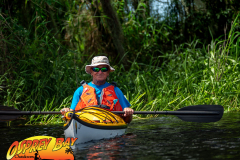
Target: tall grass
189, 76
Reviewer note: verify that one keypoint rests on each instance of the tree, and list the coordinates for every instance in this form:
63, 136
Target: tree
114, 27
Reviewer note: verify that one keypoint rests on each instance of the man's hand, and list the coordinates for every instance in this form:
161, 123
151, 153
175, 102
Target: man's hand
128, 111
128, 114
64, 110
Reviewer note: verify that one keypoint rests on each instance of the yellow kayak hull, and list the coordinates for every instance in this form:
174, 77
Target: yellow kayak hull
93, 123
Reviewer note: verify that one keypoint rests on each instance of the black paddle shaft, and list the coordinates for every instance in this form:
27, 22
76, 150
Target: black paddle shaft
116, 112
28, 112
198, 113
171, 112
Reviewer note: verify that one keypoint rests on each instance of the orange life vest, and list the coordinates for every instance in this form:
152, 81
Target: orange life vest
108, 98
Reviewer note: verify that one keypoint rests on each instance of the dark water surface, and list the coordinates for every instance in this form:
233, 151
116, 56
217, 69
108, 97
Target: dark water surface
165, 137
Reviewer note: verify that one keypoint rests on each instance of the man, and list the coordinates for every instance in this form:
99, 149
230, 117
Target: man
99, 91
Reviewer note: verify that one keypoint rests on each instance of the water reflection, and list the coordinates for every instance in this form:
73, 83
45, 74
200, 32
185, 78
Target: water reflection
103, 149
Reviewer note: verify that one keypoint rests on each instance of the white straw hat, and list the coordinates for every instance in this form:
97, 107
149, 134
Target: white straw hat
97, 61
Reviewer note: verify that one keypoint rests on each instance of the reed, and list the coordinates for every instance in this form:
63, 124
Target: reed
189, 76
207, 75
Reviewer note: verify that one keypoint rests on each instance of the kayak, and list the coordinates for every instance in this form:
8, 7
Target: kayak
93, 123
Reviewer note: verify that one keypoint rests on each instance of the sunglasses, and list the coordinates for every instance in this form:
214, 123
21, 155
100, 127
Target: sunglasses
96, 69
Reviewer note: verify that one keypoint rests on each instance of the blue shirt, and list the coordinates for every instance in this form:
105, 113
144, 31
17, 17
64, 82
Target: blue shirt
98, 89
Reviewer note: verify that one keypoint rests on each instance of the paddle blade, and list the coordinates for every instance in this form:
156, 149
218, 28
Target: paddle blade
4, 118
202, 118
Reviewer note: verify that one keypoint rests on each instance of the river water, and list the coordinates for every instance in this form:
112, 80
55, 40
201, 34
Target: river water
165, 137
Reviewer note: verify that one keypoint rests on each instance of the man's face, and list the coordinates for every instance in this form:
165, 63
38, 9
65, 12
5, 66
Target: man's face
100, 76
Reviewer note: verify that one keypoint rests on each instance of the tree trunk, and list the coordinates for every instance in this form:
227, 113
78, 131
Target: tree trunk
186, 8
115, 28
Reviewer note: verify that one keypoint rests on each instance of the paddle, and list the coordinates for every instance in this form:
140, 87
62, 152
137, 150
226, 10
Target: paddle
198, 113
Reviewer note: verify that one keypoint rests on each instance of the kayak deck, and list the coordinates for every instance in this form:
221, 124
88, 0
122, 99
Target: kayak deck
93, 123
98, 117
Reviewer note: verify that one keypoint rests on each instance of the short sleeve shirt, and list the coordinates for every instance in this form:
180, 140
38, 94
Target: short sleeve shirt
98, 89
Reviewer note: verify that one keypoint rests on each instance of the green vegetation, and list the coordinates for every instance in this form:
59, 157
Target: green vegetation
45, 46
